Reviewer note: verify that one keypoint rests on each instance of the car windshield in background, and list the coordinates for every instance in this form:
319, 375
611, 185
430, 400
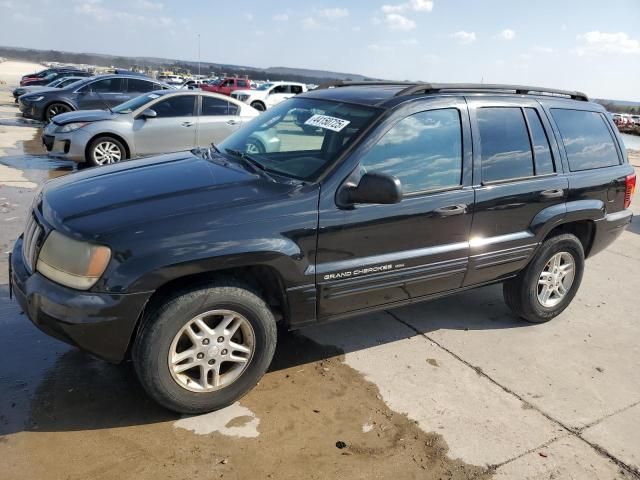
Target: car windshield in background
135, 103
265, 86
299, 138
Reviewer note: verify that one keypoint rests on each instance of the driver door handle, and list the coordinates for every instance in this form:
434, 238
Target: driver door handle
187, 124
553, 193
451, 210
232, 122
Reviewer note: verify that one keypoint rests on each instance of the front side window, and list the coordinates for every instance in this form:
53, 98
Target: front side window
176, 106
423, 150
107, 85
505, 151
296, 89
280, 89
302, 136
587, 139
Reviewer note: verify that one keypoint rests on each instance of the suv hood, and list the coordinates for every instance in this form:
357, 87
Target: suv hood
84, 116
103, 199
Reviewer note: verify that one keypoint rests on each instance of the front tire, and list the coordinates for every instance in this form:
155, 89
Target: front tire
204, 349
105, 151
55, 109
548, 284
259, 106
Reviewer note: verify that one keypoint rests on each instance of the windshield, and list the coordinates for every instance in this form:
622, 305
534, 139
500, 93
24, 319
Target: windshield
135, 103
265, 86
300, 137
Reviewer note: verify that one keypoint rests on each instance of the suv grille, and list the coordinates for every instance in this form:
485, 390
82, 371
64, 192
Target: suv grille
30, 240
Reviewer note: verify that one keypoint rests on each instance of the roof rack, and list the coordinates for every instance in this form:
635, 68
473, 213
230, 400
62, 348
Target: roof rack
427, 88
364, 83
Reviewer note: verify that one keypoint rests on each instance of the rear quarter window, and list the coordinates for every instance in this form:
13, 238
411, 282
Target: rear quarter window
587, 139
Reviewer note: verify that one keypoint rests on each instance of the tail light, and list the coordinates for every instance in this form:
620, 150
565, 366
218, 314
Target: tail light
630, 187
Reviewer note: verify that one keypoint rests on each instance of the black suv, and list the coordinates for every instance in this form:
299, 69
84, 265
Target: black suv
390, 194
101, 92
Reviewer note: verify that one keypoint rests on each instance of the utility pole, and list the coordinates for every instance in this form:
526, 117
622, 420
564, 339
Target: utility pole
198, 55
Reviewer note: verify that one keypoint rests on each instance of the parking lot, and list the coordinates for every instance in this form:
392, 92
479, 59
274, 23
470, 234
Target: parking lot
457, 388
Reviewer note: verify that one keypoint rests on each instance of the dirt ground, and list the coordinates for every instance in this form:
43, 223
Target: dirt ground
455, 389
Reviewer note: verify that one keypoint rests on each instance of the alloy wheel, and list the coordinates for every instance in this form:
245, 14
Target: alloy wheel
107, 152
556, 279
211, 351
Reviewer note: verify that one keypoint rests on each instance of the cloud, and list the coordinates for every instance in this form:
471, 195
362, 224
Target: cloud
395, 21
334, 13
309, 23
280, 17
28, 19
409, 42
600, 43
464, 38
542, 49
379, 48
412, 5
507, 34
97, 12
148, 5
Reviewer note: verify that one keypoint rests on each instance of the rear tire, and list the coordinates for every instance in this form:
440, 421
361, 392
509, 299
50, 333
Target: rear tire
259, 106
548, 284
155, 347
105, 150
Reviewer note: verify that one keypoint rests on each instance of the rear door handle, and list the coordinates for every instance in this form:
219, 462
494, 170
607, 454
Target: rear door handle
553, 193
451, 210
187, 124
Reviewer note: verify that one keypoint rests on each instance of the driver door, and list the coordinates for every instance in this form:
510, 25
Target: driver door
372, 255
107, 92
277, 94
172, 130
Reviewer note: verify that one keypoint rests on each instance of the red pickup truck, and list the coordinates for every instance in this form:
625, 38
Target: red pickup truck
228, 85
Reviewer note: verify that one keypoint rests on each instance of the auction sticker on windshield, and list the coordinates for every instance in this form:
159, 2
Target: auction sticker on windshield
327, 122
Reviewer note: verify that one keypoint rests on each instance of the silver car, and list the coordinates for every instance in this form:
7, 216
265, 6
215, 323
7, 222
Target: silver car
163, 121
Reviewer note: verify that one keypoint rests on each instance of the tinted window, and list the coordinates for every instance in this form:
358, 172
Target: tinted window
139, 86
233, 109
296, 89
423, 150
214, 106
587, 139
541, 150
280, 89
504, 144
106, 85
178, 106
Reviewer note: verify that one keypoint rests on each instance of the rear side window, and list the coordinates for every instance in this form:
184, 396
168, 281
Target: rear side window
175, 106
587, 139
139, 86
423, 150
105, 85
504, 144
296, 89
214, 106
541, 150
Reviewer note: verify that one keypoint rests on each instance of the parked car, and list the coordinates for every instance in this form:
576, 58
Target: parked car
410, 192
58, 83
175, 80
46, 71
158, 122
269, 94
194, 84
227, 85
50, 77
102, 92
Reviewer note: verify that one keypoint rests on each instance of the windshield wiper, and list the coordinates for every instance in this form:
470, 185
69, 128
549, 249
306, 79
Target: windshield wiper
248, 161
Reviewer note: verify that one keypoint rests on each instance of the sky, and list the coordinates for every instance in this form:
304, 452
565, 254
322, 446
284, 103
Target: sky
587, 45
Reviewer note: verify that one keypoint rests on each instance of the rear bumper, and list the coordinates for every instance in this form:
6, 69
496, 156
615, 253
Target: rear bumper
100, 323
608, 229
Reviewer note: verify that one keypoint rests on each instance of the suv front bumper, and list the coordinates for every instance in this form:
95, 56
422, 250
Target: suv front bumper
100, 323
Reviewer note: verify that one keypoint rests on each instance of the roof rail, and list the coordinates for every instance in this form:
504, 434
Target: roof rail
363, 83
426, 88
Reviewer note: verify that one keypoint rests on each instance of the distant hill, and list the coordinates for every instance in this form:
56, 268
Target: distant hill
156, 63
619, 106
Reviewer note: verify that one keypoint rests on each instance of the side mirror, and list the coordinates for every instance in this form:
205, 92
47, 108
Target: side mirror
372, 188
148, 113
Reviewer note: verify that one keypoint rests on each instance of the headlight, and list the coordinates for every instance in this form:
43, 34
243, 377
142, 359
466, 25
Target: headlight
35, 99
70, 127
72, 263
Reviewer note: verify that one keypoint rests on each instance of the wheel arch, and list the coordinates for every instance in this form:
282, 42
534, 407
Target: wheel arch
107, 134
264, 280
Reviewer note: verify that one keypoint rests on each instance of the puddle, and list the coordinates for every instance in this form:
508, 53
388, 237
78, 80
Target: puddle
233, 421
20, 122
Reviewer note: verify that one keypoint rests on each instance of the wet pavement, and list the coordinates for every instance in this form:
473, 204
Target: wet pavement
454, 389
